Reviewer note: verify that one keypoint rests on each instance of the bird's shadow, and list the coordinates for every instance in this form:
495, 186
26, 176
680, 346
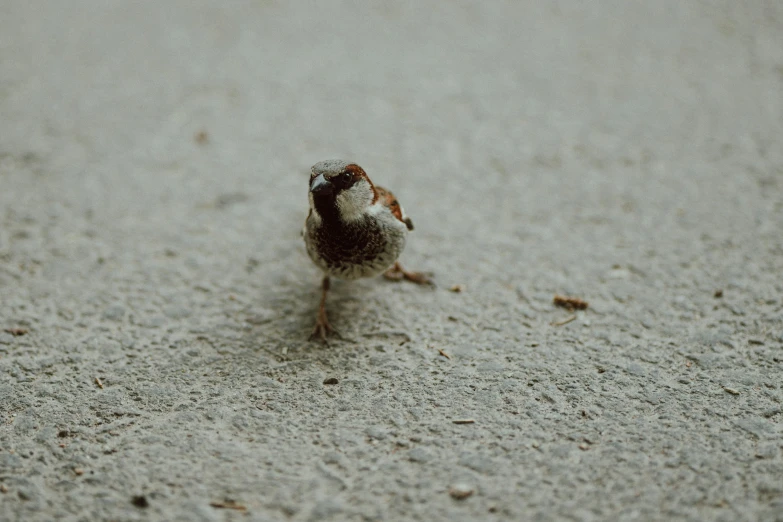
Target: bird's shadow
357, 310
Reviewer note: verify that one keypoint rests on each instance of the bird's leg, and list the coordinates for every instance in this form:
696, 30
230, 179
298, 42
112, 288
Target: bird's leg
397, 273
322, 326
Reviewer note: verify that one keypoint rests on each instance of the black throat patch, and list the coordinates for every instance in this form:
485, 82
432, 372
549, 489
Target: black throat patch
326, 206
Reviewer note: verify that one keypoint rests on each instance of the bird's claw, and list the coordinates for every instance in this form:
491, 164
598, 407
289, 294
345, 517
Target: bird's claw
322, 329
397, 273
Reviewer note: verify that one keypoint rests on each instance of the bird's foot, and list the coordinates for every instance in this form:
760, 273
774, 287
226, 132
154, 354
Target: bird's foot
322, 328
397, 273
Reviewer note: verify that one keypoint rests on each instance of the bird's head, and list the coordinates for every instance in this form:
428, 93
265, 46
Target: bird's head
340, 190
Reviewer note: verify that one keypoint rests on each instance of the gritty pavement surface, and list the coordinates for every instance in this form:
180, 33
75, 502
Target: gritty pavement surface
153, 168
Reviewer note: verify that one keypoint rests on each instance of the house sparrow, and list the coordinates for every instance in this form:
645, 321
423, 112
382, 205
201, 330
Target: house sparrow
354, 229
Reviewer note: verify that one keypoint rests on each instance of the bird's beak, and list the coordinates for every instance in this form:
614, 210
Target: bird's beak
321, 187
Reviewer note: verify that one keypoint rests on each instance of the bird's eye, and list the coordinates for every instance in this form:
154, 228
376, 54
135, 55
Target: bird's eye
346, 177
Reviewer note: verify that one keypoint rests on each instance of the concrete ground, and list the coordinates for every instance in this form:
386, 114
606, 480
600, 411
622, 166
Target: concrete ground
154, 161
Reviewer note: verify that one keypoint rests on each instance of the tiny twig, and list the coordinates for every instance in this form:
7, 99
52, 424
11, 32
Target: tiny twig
463, 421
444, 354
99, 383
228, 504
564, 321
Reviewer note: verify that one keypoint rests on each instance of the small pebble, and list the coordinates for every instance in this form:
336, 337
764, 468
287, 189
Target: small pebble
460, 491
331, 380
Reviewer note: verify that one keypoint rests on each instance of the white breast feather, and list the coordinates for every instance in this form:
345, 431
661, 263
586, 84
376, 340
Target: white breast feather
352, 203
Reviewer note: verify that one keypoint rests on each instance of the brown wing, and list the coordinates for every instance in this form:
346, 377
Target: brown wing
388, 200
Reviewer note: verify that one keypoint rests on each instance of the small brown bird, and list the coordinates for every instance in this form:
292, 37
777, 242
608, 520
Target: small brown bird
354, 229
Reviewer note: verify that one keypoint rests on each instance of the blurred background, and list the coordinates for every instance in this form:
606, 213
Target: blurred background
507, 129
475, 114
